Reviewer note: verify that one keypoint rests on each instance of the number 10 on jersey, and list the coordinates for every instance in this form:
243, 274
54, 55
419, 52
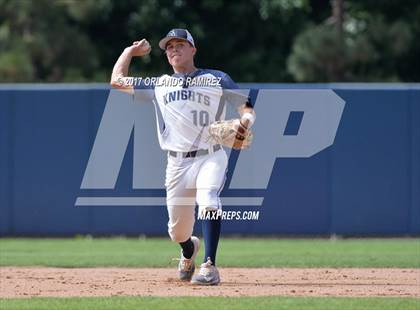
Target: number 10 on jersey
200, 118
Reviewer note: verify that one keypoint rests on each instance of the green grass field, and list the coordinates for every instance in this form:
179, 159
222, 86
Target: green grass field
154, 252
237, 303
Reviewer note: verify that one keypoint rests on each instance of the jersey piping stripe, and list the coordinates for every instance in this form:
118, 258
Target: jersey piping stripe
159, 117
221, 108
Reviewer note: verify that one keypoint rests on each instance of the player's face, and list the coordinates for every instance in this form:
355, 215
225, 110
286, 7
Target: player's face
179, 52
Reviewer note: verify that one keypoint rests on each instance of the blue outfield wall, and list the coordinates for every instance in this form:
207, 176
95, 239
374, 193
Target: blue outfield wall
366, 183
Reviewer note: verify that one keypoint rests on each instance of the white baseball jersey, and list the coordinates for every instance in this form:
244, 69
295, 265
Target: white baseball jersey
187, 104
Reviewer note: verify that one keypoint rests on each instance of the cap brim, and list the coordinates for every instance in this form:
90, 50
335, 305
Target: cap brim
165, 40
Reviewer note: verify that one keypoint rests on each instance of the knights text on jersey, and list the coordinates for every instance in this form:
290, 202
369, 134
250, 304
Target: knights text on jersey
186, 105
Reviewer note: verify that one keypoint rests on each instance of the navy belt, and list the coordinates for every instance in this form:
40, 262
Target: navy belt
195, 153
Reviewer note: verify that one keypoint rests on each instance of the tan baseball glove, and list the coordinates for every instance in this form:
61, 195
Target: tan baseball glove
231, 133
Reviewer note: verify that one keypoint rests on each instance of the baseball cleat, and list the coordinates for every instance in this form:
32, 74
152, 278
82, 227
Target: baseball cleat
208, 274
186, 267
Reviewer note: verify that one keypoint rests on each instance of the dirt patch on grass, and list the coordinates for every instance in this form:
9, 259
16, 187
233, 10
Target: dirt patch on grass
18, 282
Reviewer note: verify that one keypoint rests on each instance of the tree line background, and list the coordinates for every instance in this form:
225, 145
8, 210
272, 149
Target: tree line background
254, 41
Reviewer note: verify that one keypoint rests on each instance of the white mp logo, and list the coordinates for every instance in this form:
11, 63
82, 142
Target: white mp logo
318, 112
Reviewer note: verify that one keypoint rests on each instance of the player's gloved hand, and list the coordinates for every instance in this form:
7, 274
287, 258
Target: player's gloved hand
139, 48
241, 130
231, 133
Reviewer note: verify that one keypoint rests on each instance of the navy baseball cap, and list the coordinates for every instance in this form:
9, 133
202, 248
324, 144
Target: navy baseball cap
182, 34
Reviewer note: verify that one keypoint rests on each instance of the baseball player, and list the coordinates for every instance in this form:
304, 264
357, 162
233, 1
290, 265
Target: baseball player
196, 168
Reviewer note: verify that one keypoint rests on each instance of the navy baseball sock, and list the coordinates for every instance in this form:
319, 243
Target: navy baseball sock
211, 234
187, 248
